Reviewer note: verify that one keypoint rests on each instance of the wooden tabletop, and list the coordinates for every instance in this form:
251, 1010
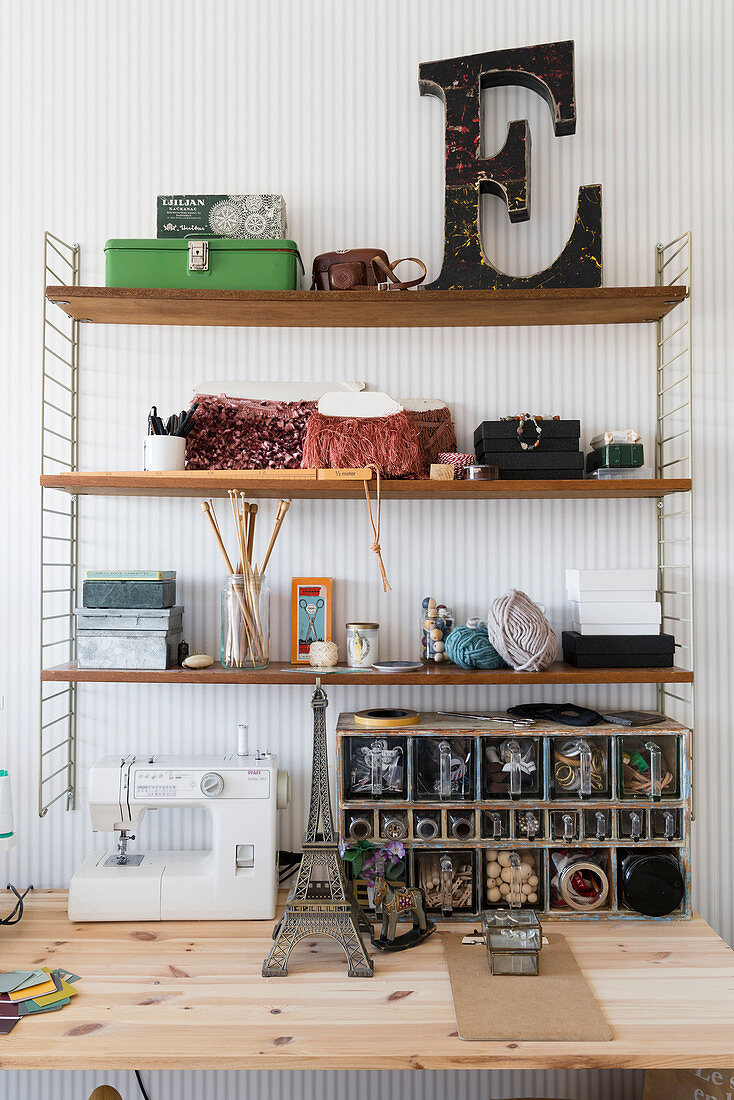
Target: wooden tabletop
188, 995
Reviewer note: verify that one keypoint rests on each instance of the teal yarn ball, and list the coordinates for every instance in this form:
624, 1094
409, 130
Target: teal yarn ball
470, 648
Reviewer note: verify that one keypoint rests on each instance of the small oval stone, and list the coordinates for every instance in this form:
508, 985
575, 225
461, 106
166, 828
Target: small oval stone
198, 660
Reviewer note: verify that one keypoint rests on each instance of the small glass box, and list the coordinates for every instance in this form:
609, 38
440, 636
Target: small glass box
513, 939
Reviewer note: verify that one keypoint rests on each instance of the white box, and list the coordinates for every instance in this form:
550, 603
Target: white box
614, 628
587, 612
611, 595
600, 580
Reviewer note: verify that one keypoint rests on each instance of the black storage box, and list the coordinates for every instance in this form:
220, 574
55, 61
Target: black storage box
541, 475
529, 465
618, 650
143, 595
501, 435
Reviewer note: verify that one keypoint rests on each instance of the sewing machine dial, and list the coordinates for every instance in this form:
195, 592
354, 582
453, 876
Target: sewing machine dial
212, 785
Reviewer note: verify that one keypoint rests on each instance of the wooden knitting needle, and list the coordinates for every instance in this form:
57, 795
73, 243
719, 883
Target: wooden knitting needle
245, 525
233, 500
251, 532
283, 507
208, 509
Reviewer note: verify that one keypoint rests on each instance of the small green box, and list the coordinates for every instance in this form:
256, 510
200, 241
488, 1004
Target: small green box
129, 594
217, 264
615, 456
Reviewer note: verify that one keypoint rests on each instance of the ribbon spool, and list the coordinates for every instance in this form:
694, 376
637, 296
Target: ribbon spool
385, 719
583, 885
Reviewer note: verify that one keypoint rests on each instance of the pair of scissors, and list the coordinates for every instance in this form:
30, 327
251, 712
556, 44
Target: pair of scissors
312, 610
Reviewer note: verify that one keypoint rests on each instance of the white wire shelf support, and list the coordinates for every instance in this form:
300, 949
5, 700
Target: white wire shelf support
59, 530
674, 458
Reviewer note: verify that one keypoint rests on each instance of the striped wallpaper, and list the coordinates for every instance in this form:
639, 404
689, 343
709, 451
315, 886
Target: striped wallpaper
105, 105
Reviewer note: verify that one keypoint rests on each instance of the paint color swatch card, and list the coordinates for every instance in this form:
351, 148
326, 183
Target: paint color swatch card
13, 979
32, 993
48, 985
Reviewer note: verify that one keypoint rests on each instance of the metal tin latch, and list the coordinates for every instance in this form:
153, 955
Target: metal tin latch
198, 255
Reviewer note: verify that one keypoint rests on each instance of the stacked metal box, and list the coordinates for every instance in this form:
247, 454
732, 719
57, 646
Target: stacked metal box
129, 622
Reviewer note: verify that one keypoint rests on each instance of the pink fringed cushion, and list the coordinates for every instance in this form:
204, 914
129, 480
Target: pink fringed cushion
236, 433
436, 433
388, 442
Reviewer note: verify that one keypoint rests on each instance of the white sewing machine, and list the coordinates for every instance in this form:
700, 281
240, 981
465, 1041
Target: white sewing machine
236, 880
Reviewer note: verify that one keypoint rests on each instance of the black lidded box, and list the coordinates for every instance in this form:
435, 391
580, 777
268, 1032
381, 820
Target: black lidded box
142, 595
534, 460
501, 435
618, 650
556, 457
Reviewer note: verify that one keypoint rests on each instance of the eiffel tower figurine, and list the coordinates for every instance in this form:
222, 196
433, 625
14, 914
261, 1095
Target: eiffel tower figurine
324, 908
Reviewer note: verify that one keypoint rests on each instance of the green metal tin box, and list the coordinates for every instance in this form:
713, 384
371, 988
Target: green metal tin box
615, 456
204, 265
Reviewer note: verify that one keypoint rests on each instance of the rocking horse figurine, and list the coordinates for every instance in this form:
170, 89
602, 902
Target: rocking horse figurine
399, 902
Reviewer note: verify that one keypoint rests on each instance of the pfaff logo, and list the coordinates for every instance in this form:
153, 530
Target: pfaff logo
459, 82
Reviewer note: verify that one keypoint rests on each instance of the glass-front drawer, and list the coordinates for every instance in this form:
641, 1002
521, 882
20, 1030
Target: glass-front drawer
649, 766
580, 879
495, 824
427, 824
666, 824
632, 824
529, 824
565, 825
512, 878
460, 824
580, 768
375, 767
394, 824
651, 881
448, 880
597, 824
511, 767
444, 769
359, 824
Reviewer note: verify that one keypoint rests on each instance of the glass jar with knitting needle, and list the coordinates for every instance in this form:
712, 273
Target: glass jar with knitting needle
245, 621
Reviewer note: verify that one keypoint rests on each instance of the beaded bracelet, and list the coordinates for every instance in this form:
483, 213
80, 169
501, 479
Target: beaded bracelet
521, 431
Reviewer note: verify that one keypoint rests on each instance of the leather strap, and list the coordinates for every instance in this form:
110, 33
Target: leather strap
393, 283
375, 547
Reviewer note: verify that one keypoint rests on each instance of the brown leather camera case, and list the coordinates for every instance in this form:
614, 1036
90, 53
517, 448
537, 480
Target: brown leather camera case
356, 268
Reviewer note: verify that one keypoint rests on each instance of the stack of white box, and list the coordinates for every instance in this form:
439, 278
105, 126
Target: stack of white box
614, 601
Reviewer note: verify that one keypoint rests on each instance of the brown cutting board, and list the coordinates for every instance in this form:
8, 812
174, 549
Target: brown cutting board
556, 1006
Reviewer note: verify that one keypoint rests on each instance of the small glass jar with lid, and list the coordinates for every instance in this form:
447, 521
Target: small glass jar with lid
436, 623
514, 938
362, 644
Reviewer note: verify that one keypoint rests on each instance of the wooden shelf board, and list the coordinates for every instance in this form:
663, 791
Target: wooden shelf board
367, 309
280, 672
215, 483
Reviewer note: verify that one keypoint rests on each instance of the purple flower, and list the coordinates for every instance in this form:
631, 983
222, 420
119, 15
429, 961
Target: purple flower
342, 846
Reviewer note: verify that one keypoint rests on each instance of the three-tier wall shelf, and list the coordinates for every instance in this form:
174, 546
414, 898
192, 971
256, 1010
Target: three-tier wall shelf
68, 305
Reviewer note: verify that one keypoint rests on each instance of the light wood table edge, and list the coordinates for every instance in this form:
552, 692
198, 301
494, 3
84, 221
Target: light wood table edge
297, 1038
